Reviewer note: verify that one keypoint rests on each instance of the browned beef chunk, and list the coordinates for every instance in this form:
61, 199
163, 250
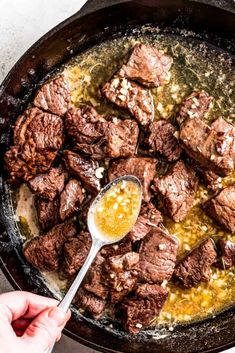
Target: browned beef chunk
149, 217
132, 97
138, 312
37, 138
70, 198
48, 185
147, 65
158, 253
120, 248
44, 252
176, 190
75, 253
142, 168
161, 139
121, 274
17, 168
227, 251
195, 106
84, 169
48, 212
54, 96
121, 138
90, 303
196, 265
95, 281
222, 208
212, 146
86, 127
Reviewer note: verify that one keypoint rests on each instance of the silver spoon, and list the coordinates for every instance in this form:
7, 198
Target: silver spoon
98, 238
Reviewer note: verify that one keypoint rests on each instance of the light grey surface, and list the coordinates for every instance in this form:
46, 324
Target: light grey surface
22, 22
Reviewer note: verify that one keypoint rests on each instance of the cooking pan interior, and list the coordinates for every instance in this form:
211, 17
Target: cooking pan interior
197, 22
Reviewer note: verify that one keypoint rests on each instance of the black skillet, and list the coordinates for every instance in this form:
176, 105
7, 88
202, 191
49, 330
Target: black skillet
81, 31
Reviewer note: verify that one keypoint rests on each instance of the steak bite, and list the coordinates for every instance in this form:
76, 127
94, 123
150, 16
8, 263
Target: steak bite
128, 95
37, 138
84, 169
44, 252
90, 303
141, 167
47, 212
54, 96
149, 217
147, 65
138, 312
48, 185
120, 248
122, 274
16, 167
121, 138
212, 146
222, 208
227, 251
95, 281
195, 267
75, 253
70, 198
176, 190
194, 106
161, 139
158, 253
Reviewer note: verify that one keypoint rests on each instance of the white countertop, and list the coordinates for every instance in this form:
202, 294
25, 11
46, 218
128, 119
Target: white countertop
22, 22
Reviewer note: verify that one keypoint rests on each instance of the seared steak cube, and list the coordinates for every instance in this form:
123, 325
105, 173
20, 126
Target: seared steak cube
16, 167
176, 190
212, 146
195, 267
161, 139
44, 252
120, 248
121, 138
227, 251
138, 312
90, 303
222, 208
149, 217
142, 168
158, 253
70, 198
48, 185
132, 97
84, 169
37, 138
48, 212
95, 280
195, 106
75, 253
147, 65
122, 274
54, 96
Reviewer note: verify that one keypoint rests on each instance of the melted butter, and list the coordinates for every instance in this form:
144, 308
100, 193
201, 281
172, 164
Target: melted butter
116, 213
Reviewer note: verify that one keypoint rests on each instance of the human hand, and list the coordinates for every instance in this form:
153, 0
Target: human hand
29, 323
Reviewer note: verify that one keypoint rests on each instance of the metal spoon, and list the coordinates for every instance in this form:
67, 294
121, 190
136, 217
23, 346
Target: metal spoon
98, 240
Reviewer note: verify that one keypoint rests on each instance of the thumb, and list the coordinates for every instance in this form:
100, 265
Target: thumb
46, 328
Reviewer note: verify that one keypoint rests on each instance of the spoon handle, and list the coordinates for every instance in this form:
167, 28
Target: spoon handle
67, 300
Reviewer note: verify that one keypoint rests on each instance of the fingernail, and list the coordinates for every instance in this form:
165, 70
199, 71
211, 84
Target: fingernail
58, 315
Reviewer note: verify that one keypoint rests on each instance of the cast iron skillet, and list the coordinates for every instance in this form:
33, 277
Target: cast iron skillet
214, 25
